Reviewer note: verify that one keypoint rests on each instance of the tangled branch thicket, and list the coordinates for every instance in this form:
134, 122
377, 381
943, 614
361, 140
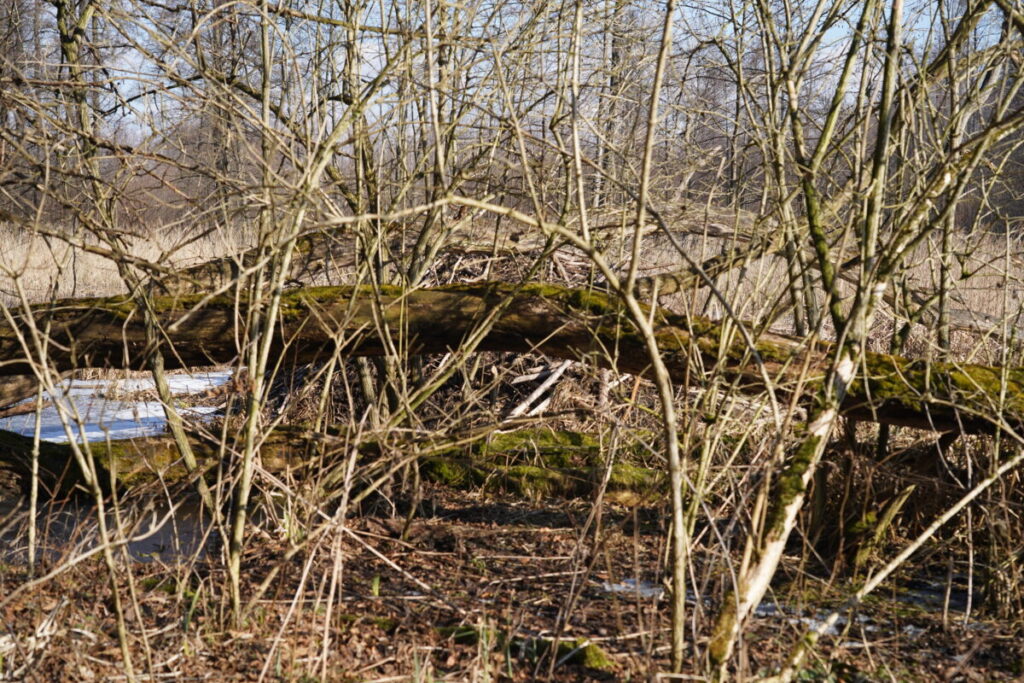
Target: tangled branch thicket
774, 246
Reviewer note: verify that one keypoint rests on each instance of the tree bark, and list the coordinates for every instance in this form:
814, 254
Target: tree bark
316, 322
533, 463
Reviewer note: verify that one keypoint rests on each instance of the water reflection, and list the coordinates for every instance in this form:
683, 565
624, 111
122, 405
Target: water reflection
147, 532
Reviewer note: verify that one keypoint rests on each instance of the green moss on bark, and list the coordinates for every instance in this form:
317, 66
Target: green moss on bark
791, 482
628, 484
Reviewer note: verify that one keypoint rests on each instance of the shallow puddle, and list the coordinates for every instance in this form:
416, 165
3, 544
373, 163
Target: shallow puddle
98, 410
147, 533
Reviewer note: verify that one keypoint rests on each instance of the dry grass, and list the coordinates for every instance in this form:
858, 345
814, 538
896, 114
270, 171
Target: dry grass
48, 268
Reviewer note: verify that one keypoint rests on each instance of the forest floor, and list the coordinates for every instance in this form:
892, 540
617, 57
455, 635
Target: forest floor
475, 587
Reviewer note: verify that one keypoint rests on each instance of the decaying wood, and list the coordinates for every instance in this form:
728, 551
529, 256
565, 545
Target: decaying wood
317, 322
15, 388
529, 462
141, 460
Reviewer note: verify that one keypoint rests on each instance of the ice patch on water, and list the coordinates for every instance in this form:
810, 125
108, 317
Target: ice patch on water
644, 589
912, 631
767, 609
105, 418
813, 624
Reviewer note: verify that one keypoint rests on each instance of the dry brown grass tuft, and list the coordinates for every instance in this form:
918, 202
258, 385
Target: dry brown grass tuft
48, 268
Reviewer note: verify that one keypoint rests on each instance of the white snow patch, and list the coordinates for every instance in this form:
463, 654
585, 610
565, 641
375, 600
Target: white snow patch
813, 624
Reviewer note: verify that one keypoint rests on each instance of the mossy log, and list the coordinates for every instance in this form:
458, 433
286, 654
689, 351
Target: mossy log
529, 462
14, 388
543, 463
316, 322
133, 462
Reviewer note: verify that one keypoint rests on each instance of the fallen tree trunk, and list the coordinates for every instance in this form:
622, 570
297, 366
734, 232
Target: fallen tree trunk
14, 388
534, 463
317, 322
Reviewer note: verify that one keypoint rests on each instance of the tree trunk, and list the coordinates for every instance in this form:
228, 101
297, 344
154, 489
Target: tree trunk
534, 463
316, 322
